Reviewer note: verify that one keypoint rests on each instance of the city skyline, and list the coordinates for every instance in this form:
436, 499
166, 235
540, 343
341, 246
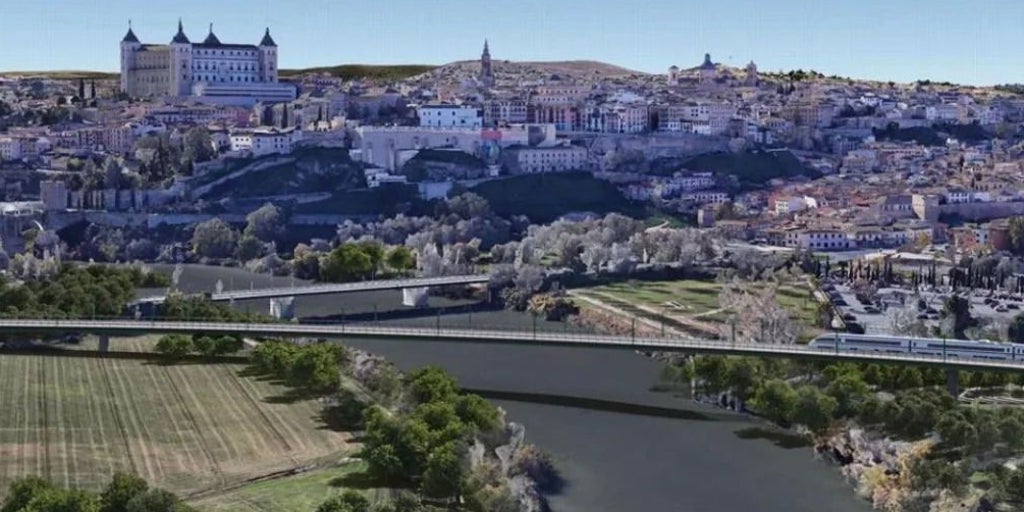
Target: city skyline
868, 40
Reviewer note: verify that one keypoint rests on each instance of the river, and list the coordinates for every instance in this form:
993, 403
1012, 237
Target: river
619, 445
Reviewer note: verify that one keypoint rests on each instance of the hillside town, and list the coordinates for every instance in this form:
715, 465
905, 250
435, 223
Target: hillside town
792, 159
227, 280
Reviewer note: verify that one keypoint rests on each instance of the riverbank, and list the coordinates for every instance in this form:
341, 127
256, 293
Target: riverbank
692, 458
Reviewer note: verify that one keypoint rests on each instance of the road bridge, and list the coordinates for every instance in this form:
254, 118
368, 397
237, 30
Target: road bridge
326, 289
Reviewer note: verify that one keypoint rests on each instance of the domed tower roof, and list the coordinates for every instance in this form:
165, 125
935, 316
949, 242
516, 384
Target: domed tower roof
707, 62
673, 68
267, 40
180, 37
130, 36
211, 38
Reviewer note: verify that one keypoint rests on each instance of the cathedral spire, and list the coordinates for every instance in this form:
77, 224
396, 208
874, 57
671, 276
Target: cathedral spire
487, 51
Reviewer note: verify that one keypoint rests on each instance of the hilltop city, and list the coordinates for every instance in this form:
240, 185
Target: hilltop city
612, 254
796, 159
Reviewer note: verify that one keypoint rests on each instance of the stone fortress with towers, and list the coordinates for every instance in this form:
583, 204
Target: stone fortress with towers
211, 70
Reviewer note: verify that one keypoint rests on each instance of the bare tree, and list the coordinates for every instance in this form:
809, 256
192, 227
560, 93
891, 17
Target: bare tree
903, 320
758, 316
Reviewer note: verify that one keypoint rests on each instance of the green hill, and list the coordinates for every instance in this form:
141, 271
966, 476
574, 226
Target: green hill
752, 168
545, 197
371, 71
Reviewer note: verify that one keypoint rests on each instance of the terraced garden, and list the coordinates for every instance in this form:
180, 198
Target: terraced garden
189, 428
692, 306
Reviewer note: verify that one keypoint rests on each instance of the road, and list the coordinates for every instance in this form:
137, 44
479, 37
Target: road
325, 289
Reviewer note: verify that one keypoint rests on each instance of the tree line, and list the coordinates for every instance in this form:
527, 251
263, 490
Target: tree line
821, 397
125, 493
76, 291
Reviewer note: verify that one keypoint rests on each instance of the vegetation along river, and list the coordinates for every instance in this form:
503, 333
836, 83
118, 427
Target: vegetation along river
619, 445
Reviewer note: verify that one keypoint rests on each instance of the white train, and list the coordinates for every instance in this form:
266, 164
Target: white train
958, 349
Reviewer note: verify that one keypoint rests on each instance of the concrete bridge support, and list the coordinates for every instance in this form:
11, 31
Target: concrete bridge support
415, 297
953, 381
104, 343
282, 308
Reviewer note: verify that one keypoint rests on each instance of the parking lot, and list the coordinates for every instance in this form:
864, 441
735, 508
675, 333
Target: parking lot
876, 318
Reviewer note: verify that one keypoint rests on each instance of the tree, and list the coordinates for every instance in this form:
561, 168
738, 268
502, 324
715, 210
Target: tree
444, 473
63, 500
266, 223
742, 375
1012, 487
375, 252
776, 400
347, 262
849, 391
1011, 431
121, 489
959, 309
226, 345
431, 384
385, 449
399, 259
813, 409
274, 357
474, 410
157, 500
1015, 332
197, 146
469, 205
249, 248
22, 491
316, 368
214, 239
174, 346
1015, 233
111, 173
202, 344
348, 501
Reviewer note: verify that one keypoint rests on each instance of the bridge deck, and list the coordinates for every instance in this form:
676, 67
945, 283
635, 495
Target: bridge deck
325, 289
668, 344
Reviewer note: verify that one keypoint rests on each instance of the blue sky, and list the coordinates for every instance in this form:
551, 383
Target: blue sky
969, 41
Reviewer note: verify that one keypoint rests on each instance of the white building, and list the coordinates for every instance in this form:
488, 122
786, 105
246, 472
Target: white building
10, 148
265, 141
702, 197
548, 159
792, 204
176, 68
819, 239
449, 116
943, 112
382, 146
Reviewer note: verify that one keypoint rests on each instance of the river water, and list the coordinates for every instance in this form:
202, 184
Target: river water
619, 445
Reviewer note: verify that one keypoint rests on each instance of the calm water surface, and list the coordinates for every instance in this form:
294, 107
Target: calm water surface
667, 454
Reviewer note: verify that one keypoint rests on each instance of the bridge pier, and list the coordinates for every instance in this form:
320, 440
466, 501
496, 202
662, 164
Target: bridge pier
282, 308
415, 297
953, 382
104, 343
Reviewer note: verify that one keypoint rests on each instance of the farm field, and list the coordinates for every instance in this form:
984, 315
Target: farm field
693, 305
299, 492
76, 419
